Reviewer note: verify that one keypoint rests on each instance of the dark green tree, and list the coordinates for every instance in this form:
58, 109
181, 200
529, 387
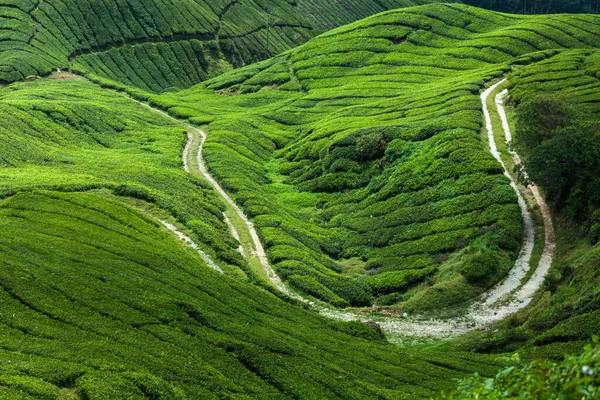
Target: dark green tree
560, 146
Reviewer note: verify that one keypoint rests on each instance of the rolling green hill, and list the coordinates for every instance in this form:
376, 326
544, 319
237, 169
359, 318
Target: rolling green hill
123, 311
70, 136
360, 158
158, 44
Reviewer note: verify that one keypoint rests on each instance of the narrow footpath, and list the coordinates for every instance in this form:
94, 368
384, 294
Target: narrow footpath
257, 251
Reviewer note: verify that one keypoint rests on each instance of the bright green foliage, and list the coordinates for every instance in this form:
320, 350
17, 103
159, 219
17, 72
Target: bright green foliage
396, 281
74, 136
484, 268
575, 378
95, 296
370, 148
567, 311
363, 144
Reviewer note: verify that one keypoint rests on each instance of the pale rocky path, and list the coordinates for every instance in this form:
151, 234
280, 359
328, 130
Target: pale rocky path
504, 299
526, 292
188, 241
258, 250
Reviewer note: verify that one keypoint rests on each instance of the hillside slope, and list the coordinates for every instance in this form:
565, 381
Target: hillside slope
360, 158
359, 154
327, 15
123, 311
184, 41
157, 44
99, 301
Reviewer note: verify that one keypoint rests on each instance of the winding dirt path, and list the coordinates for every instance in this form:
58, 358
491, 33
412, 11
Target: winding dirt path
258, 250
504, 299
508, 296
529, 288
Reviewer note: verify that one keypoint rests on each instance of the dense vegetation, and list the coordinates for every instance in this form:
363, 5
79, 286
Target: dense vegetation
561, 146
566, 312
157, 45
359, 157
365, 170
539, 6
576, 377
123, 311
98, 301
56, 135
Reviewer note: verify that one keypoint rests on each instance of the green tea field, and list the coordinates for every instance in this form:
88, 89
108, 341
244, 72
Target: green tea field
294, 199
365, 170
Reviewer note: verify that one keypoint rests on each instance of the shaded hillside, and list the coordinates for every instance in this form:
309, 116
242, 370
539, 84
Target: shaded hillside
327, 15
118, 37
360, 158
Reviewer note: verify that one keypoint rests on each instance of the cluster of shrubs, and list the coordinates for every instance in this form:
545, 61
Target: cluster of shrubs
98, 38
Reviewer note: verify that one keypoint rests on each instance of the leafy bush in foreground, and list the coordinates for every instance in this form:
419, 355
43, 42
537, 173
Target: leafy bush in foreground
575, 378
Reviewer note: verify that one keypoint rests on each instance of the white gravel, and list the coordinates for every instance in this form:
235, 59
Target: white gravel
182, 236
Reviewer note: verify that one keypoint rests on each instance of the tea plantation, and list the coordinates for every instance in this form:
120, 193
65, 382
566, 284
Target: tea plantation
119, 38
99, 300
359, 156
158, 45
364, 169
124, 311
